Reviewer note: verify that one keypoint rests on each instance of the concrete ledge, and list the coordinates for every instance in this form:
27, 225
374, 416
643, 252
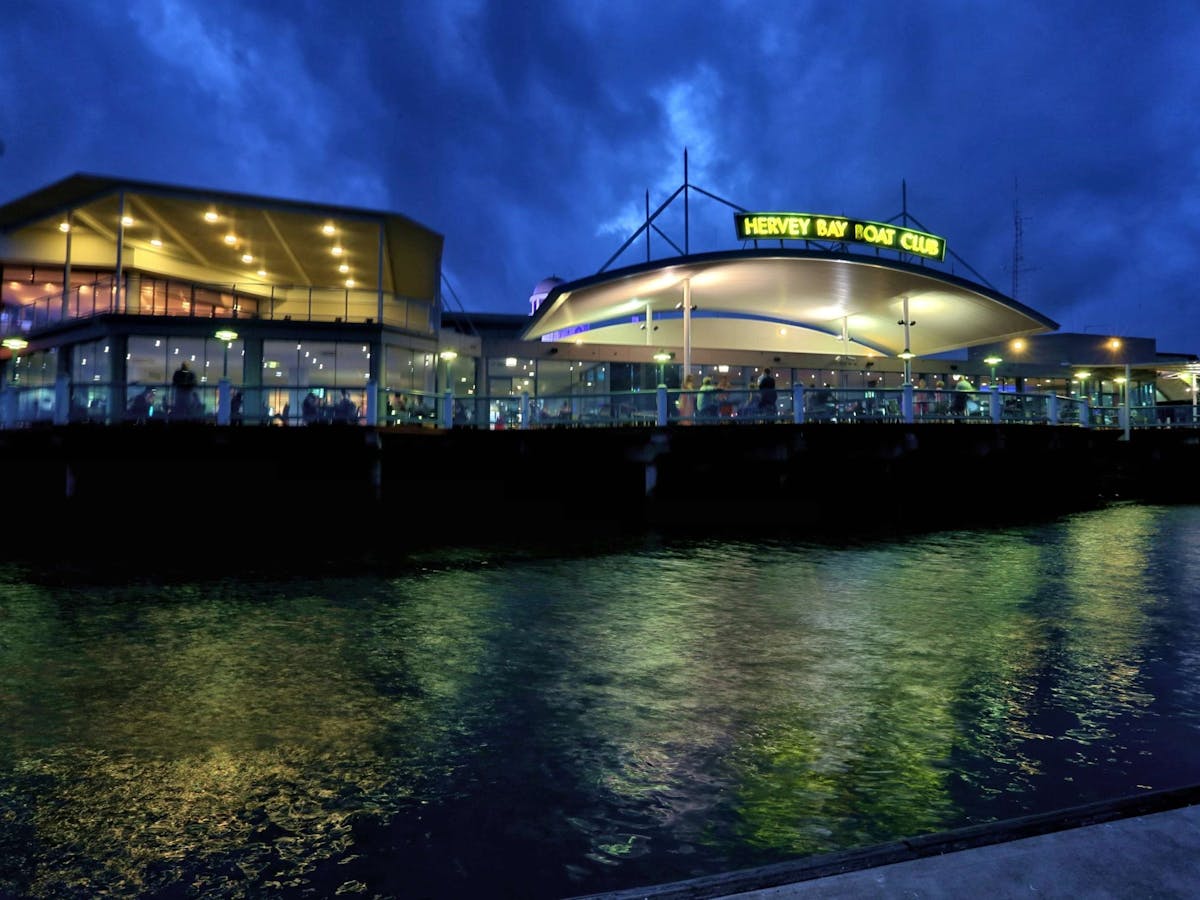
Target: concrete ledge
910, 849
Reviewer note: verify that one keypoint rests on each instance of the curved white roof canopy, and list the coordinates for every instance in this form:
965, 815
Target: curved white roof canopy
779, 300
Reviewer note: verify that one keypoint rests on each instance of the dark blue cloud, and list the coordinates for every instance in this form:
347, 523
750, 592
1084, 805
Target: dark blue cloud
529, 133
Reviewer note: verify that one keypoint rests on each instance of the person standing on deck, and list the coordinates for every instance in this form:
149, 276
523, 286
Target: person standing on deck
686, 404
185, 401
767, 397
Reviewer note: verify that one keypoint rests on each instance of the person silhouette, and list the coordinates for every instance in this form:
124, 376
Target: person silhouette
345, 411
141, 407
185, 400
767, 396
706, 400
236, 402
310, 409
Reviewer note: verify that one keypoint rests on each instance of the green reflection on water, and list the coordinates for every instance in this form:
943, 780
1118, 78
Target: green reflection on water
726, 700
147, 728
843, 701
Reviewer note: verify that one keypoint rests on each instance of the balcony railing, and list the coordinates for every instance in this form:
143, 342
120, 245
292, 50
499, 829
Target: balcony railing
225, 403
161, 297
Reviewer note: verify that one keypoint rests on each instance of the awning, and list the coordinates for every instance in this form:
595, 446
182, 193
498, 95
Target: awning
794, 301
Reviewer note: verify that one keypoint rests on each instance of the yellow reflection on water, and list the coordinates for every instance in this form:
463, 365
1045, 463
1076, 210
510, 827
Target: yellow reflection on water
707, 701
158, 737
837, 688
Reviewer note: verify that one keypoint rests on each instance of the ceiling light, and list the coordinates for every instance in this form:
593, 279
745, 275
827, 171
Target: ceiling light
64, 227
126, 221
211, 216
336, 250
344, 268
328, 228
262, 273
247, 258
349, 282
231, 238
155, 242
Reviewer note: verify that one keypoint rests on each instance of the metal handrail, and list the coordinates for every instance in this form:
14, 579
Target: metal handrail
225, 403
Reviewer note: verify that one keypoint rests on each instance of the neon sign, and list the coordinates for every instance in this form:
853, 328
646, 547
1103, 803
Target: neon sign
807, 227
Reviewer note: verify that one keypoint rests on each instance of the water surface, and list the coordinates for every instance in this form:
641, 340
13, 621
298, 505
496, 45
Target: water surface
543, 726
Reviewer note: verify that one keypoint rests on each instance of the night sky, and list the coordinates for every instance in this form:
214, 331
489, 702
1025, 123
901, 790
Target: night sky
528, 133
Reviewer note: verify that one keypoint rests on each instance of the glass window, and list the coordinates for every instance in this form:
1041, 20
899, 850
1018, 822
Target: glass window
294, 369
91, 363
146, 361
409, 369
35, 369
511, 376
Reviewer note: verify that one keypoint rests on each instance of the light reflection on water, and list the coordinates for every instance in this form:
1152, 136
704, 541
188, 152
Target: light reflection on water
544, 727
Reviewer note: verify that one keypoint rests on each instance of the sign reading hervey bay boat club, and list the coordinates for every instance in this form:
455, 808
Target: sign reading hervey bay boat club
786, 226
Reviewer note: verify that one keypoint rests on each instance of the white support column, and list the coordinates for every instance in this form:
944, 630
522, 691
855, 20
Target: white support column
687, 328
841, 383
8, 406
119, 273
66, 296
62, 399
1128, 409
372, 410
382, 249
224, 401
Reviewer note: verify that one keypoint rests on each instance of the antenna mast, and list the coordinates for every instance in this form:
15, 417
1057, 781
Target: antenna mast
1018, 252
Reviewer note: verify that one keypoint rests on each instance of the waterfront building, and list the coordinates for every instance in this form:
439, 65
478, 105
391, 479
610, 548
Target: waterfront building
285, 309
109, 285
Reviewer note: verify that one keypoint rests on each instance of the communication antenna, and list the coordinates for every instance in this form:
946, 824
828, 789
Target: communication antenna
1018, 242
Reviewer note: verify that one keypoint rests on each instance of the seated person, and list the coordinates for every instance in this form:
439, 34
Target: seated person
141, 407
399, 406
310, 410
707, 400
345, 411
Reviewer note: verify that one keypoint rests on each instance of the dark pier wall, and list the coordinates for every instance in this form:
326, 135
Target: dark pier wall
400, 486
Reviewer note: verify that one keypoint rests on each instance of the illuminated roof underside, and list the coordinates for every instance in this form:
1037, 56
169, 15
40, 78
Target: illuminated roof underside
222, 237
790, 301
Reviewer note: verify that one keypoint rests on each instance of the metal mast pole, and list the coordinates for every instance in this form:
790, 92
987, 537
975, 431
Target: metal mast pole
686, 248
647, 226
